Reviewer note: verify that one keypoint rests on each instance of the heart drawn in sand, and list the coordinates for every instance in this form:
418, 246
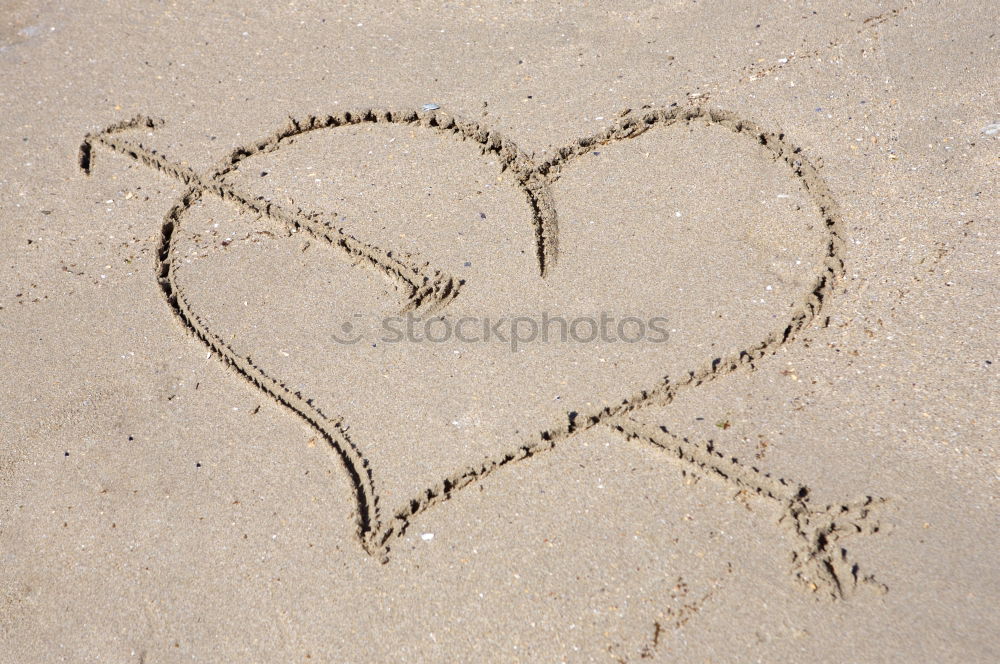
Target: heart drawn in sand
575, 270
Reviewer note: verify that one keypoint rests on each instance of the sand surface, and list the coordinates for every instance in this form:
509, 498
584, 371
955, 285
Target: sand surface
210, 451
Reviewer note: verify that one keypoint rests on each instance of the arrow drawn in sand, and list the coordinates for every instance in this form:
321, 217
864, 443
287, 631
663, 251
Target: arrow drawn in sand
819, 561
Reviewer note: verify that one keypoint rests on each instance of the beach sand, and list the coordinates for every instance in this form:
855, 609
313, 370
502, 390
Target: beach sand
214, 449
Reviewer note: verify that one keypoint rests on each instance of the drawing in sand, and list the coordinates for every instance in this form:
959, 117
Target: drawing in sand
819, 561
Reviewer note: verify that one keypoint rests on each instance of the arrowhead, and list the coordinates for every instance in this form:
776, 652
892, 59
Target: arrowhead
86, 154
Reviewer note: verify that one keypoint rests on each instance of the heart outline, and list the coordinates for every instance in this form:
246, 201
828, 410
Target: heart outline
430, 291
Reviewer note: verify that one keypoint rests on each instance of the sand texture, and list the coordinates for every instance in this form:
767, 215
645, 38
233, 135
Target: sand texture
499, 332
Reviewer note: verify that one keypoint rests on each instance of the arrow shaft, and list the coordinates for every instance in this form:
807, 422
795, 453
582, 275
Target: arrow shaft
424, 287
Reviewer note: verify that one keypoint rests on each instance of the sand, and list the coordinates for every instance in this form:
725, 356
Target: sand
274, 283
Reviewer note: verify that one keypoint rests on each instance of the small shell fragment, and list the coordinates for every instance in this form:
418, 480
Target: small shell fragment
430, 107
